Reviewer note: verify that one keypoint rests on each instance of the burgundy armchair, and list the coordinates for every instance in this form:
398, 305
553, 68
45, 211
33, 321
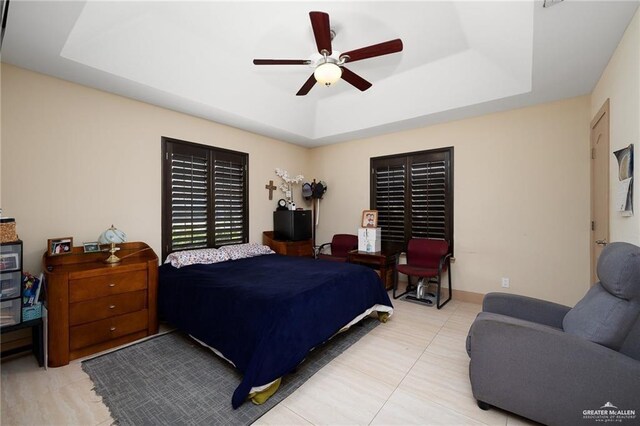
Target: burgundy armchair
340, 245
427, 260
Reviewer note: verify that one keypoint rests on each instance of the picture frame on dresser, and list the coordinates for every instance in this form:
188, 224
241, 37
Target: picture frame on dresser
59, 246
91, 247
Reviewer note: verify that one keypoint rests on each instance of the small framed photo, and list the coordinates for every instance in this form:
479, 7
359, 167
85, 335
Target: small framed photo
370, 219
59, 246
9, 261
91, 247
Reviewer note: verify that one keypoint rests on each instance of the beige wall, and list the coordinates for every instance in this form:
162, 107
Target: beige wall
521, 195
620, 82
75, 160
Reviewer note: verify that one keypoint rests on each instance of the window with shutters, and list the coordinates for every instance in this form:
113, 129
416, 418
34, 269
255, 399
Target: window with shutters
413, 194
204, 196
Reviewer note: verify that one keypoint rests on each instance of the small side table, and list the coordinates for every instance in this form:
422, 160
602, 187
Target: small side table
36, 339
384, 262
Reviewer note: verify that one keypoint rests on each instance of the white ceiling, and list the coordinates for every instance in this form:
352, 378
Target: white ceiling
460, 59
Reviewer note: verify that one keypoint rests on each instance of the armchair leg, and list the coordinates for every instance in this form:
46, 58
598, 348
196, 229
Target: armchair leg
438, 305
483, 405
395, 283
395, 286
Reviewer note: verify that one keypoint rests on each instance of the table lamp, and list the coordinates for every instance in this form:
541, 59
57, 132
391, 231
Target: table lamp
112, 236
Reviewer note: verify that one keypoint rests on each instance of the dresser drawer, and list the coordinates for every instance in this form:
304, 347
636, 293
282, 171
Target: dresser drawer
106, 307
107, 329
10, 312
106, 285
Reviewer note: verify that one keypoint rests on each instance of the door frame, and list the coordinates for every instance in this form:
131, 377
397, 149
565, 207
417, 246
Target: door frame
603, 112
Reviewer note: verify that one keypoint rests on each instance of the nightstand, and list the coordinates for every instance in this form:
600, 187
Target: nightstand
381, 261
288, 248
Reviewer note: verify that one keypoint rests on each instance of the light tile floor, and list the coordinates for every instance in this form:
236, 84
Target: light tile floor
411, 370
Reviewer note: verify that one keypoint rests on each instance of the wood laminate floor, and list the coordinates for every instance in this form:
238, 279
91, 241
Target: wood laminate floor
411, 370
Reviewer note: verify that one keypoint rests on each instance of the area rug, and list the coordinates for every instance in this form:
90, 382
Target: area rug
173, 380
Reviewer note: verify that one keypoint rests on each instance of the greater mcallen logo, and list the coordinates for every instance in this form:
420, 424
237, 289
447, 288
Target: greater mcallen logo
609, 413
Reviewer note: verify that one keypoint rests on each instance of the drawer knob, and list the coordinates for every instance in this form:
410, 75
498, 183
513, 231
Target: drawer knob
112, 306
112, 329
112, 285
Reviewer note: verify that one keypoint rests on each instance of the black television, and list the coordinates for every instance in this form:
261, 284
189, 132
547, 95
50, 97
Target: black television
292, 225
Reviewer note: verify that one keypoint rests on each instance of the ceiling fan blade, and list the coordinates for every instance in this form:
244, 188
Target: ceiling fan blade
391, 46
355, 80
281, 62
307, 86
321, 30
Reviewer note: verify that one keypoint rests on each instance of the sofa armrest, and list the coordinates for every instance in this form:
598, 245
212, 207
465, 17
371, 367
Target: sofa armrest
526, 308
545, 374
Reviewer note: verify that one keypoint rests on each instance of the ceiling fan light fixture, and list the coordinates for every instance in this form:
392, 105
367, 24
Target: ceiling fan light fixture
327, 73
328, 63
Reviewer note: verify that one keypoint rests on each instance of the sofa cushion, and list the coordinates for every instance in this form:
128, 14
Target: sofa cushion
602, 318
619, 270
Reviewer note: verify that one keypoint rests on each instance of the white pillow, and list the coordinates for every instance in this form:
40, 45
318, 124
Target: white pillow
207, 256
241, 251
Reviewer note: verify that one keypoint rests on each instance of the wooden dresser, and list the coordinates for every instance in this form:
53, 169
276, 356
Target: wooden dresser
288, 248
93, 306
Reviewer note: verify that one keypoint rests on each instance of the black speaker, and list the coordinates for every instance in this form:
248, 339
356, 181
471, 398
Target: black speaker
292, 225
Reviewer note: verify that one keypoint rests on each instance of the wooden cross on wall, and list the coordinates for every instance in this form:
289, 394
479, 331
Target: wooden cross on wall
271, 187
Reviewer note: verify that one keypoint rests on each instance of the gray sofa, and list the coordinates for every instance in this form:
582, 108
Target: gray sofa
559, 365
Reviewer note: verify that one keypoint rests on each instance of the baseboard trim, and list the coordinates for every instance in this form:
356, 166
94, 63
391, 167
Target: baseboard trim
468, 296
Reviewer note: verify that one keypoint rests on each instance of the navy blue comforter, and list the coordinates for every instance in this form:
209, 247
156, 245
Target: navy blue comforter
265, 313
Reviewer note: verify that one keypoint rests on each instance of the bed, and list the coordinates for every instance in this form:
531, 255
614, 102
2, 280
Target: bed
265, 313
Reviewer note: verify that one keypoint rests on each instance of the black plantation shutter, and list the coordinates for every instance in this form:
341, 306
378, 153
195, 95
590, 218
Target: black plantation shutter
229, 199
205, 196
189, 183
389, 182
413, 194
428, 198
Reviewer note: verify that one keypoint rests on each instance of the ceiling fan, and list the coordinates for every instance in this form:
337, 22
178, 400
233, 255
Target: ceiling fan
329, 68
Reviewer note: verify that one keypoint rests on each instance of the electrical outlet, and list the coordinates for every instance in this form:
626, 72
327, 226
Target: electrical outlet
505, 282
